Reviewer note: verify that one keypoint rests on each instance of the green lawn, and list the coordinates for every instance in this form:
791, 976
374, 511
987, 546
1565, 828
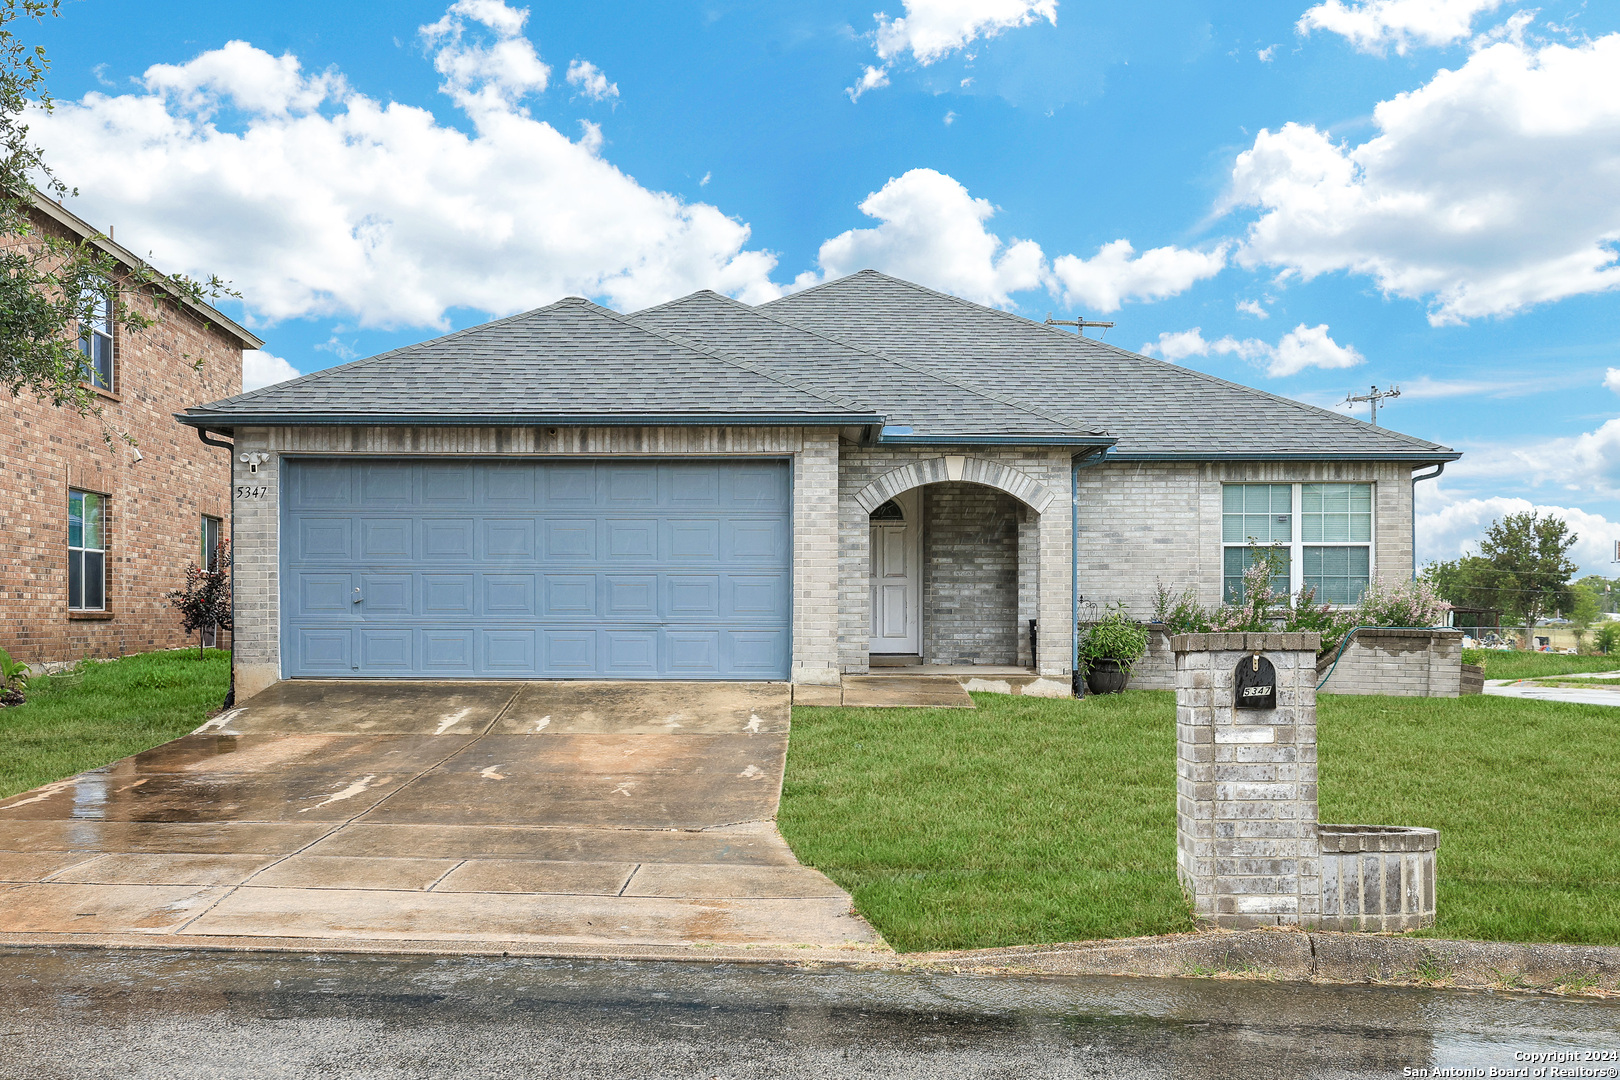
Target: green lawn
1503, 664
1028, 820
105, 711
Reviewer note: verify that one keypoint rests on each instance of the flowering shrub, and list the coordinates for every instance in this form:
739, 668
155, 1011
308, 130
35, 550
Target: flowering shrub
1400, 603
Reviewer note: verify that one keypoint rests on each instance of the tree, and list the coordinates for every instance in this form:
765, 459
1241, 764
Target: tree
52, 286
1468, 582
1530, 557
1584, 609
205, 602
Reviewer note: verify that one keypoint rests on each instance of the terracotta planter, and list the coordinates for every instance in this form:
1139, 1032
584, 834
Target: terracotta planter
1106, 677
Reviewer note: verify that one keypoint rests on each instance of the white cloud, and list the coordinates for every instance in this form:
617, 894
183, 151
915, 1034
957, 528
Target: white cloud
1267, 54
1300, 348
1611, 379
1450, 526
933, 29
591, 82
1490, 189
1374, 25
932, 231
1252, 307
871, 79
260, 368
317, 201
1116, 274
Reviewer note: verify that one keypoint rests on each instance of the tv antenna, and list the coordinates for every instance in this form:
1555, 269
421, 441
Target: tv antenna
1079, 322
1372, 397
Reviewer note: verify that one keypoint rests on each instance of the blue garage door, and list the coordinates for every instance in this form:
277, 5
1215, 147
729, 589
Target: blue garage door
536, 569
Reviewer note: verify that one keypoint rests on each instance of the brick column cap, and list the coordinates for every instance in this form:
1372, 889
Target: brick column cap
1246, 642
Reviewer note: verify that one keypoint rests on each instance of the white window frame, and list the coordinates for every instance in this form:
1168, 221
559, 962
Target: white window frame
78, 553
1296, 545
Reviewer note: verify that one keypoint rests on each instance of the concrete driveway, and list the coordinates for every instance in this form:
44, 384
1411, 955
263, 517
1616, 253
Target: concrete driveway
564, 813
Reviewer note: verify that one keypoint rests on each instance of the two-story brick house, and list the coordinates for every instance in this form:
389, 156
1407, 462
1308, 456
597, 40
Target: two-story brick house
92, 536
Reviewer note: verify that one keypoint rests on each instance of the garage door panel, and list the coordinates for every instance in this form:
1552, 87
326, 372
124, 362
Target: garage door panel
386, 594
386, 539
448, 652
386, 484
569, 596
448, 595
509, 539
322, 595
528, 569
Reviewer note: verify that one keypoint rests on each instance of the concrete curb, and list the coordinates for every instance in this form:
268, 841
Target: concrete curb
1285, 955
1311, 956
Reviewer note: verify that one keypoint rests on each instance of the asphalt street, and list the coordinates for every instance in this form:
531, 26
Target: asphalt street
134, 1014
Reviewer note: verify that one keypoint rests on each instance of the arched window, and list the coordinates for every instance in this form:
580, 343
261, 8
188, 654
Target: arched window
889, 511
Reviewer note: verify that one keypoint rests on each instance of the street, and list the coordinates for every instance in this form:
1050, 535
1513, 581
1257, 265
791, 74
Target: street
134, 1014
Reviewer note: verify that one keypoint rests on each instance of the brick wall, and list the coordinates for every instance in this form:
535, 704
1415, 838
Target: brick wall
1401, 663
1161, 521
970, 575
155, 506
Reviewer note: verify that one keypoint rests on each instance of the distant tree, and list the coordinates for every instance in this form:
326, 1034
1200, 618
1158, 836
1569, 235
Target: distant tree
1469, 582
54, 288
1530, 556
1586, 605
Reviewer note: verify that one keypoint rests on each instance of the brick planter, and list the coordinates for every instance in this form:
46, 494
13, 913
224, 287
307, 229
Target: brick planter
1377, 877
1396, 661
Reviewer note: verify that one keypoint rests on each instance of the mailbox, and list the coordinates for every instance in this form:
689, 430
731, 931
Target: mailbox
1255, 683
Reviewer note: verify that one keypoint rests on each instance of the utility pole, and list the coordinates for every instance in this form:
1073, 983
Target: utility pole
1079, 323
1372, 397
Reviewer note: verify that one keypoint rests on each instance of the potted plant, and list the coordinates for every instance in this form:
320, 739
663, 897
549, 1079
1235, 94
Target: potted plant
13, 679
1110, 649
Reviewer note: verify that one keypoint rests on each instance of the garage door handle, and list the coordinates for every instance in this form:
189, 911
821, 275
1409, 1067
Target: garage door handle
357, 596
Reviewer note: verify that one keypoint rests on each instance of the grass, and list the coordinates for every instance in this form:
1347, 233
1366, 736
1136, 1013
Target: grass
1024, 820
1504, 664
106, 710
1029, 821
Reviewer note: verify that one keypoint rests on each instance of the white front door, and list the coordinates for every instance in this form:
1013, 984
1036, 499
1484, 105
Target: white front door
896, 575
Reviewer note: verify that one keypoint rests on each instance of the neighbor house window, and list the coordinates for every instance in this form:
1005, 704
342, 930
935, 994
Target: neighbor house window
210, 543
87, 551
96, 340
1326, 546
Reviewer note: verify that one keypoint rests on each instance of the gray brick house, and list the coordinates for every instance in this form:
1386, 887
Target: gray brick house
708, 490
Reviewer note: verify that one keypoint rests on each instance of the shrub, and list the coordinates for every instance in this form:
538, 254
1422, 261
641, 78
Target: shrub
1116, 637
13, 679
1400, 603
1608, 638
205, 602
1179, 613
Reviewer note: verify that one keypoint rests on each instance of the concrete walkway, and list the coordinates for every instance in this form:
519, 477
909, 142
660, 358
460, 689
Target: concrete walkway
573, 814
1576, 695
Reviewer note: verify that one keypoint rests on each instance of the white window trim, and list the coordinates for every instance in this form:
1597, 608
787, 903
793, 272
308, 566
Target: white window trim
91, 331
1296, 525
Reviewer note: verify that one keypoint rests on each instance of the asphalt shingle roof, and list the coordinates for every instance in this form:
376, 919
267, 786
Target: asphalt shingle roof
1153, 408
570, 361
907, 394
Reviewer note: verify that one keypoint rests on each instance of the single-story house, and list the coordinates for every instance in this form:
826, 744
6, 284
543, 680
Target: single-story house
709, 490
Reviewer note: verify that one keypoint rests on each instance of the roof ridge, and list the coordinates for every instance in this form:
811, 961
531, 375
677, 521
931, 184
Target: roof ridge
774, 376
1204, 375
910, 365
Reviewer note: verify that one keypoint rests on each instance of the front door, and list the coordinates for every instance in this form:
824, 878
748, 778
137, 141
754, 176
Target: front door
896, 576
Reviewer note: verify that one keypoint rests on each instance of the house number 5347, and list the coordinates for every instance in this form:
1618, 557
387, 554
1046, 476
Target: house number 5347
252, 491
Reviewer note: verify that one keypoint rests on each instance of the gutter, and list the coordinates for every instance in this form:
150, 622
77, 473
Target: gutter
229, 421
1420, 457
1101, 441
1439, 468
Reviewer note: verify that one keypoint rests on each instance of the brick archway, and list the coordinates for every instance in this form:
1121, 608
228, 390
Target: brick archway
1020, 485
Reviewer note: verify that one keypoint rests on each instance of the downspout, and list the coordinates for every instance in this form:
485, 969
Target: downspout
1081, 461
1439, 468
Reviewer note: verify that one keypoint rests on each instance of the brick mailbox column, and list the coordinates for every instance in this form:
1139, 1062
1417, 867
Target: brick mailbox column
1246, 818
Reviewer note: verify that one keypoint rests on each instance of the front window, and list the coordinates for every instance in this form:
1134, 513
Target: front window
87, 551
1326, 546
96, 340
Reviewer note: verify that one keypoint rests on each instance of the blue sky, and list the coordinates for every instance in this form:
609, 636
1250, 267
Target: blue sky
1308, 198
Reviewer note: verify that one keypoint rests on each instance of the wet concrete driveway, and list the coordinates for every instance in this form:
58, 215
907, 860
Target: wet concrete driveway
564, 813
